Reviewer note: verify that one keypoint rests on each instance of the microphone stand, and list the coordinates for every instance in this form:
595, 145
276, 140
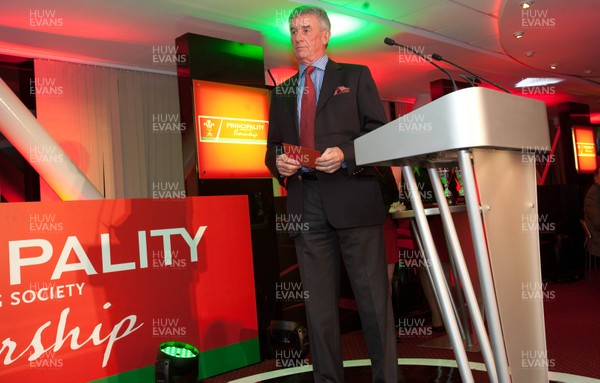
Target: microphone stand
440, 58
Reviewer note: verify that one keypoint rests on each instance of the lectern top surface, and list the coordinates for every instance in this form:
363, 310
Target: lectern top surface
468, 118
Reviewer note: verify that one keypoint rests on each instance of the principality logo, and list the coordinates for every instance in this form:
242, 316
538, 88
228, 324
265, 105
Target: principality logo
209, 127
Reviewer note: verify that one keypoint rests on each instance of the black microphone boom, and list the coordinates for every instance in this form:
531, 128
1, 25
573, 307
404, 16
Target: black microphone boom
473, 81
390, 42
440, 58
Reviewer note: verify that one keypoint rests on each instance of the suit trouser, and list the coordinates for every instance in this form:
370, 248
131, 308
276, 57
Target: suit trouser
363, 252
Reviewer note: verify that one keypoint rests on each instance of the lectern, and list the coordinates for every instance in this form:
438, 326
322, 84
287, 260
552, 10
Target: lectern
493, 136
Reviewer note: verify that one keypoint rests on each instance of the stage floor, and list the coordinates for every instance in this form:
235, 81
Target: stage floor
572, 336
411, 371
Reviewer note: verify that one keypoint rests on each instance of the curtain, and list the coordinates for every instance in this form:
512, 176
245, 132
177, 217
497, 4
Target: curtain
121, 127
399, 108
403, 108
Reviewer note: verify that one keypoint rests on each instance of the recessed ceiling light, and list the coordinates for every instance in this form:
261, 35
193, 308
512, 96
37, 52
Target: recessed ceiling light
553, 66
529, 53
537, 81
518, 34
526, 4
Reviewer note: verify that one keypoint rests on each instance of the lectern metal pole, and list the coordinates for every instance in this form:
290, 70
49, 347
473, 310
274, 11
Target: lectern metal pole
437, 274
483, 266
463, 274
461, 326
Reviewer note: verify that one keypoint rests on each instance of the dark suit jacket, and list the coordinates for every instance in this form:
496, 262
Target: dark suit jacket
351, 196
591, 210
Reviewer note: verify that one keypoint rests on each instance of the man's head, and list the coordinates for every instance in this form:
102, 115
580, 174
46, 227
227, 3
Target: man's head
310, 32
597, 176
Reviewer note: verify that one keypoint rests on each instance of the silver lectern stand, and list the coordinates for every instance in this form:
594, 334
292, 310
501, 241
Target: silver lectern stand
491, 135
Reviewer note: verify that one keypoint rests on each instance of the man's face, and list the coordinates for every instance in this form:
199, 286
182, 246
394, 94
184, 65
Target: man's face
597, 178
308, 39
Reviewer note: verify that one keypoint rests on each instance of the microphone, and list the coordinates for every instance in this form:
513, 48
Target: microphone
473, 81
440, 58
391, 42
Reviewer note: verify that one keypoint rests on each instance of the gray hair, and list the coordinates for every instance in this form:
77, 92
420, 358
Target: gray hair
312, 10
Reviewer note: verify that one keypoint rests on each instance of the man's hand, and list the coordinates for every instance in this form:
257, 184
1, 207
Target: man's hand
287, 166
331, 160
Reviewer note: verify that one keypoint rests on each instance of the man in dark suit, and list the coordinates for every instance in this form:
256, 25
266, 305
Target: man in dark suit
339, 203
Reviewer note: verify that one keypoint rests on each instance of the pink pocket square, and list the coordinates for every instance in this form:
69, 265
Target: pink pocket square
341, 90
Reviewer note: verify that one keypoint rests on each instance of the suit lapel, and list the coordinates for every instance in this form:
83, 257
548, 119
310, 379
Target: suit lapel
290, 91
331, 80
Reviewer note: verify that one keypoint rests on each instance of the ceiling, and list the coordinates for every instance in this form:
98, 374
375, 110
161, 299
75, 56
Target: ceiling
476, 34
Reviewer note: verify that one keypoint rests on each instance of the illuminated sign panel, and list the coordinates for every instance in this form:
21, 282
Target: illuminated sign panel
232, 125
89, 297
584, 146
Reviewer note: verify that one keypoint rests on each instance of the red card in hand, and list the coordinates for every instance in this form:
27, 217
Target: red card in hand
305, 156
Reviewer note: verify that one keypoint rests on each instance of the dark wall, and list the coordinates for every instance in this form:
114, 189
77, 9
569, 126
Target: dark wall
210, 59
17, 73
561, 235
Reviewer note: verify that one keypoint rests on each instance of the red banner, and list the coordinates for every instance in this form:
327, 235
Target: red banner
89, 289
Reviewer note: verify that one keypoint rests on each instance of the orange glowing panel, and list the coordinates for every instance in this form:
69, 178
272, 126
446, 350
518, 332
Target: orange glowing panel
231, 125
584, 145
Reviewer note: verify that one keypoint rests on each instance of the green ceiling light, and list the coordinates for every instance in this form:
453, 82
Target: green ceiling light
243, 50
176, 362
341, 25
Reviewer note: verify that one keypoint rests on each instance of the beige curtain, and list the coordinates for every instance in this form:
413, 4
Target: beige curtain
400, 107
403, 108
121, 127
